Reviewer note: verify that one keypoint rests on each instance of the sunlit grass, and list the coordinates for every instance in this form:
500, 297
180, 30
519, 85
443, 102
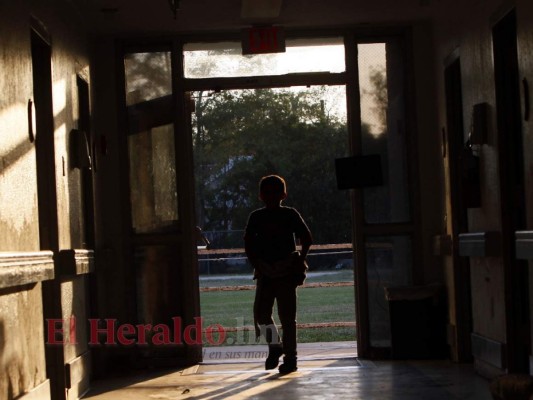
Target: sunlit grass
234, 309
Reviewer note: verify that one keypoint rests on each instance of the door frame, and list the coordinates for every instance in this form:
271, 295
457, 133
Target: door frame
41, 54
180, 239
512, 188
349, 78
454, 143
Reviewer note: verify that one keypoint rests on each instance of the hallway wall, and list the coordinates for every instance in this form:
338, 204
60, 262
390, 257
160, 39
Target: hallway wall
18, 191
23, 267
466, 29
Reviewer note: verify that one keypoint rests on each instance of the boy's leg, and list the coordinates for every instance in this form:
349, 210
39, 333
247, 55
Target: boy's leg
263, 305
287, 315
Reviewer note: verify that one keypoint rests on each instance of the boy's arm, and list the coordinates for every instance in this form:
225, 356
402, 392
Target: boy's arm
249, 248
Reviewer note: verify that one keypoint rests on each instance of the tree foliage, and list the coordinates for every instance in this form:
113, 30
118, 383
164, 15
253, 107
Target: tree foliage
379, 95
241, 136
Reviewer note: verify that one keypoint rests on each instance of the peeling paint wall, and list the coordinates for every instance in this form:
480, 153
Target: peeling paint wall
22, 363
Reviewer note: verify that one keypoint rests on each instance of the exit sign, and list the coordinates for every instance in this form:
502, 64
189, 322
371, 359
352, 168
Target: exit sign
260, 40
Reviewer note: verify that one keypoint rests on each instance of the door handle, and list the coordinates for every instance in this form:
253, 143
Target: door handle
31, 121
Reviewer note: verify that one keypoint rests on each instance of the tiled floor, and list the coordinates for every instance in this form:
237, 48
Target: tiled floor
325, 370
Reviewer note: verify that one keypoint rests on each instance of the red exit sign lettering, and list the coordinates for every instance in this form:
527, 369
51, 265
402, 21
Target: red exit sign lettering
262, 40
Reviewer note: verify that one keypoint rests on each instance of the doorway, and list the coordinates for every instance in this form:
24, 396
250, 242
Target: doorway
382, 218
240, 136
198, 88
271, 125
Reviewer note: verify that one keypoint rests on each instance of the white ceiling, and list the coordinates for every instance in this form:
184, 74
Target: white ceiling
126, 17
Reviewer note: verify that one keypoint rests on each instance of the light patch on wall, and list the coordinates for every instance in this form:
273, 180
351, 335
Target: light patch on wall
62, 179
59, 93
18, 193
61, 141
18, 180
13, 128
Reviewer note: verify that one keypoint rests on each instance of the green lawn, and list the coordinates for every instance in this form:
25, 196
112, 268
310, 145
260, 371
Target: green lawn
233, 309
344, 275
328, 304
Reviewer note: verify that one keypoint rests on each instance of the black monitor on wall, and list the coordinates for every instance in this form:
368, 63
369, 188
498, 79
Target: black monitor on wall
359, 172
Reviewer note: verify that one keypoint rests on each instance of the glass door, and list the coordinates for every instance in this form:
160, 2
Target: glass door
160, 202
384, 226
282, 113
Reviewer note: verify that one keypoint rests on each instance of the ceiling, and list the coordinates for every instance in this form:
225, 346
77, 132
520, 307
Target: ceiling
134, 17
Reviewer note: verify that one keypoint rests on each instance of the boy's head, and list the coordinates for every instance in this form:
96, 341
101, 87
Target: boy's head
272, 190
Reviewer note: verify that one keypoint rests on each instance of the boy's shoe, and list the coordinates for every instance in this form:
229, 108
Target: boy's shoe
288, 366
274, 353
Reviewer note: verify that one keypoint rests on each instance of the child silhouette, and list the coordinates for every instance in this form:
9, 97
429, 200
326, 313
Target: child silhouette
270, 246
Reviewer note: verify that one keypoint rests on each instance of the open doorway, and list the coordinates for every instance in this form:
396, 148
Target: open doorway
271, 114
243, 129
240, 136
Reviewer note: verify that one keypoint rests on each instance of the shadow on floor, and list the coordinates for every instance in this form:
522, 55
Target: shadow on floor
319, 376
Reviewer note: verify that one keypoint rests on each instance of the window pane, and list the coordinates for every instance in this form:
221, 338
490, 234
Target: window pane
152, 159
382, 119
148, 76
154, 200
389, 261
224, 59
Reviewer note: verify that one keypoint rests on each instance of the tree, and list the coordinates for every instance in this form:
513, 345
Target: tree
251, 133
379, 95
148, 76
377, 200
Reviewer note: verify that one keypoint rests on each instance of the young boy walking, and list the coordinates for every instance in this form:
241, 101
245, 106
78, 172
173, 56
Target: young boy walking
270, 246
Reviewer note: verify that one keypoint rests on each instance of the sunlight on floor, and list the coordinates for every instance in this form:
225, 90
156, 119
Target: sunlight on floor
321, 374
